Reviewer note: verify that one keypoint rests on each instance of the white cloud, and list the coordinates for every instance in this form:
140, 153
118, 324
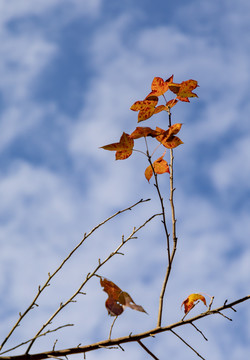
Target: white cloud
11, 10
23, 57
231, 171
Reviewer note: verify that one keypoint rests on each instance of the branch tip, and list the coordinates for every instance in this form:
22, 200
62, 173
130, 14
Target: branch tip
120, 347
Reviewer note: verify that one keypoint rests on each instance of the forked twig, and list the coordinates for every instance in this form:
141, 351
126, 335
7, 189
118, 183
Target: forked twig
88, 277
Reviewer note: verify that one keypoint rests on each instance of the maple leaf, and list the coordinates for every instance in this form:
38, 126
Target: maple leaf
143, 132
191, 301
167, 137
123, 148
184, 89
117, 299
160, 167
159, 86
145, 107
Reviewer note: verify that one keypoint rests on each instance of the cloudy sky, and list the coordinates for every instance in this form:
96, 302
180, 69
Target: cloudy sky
69, 72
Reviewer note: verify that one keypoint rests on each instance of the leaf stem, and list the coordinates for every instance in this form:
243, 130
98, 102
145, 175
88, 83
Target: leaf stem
111, 327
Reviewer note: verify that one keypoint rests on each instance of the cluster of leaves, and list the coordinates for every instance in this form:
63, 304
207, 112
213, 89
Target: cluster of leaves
146, 109
118, 299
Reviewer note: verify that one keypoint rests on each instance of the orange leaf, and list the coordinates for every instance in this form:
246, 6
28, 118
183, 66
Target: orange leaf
143, 132
117, 299
171, 103
148, 173
145, 107
123, 148
159, 86
167, 137
184, 89
174, 129
172, 142
160, 108
160, 167
191, 301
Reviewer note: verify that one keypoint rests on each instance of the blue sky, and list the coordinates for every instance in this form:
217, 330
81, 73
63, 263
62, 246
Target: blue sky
70, 70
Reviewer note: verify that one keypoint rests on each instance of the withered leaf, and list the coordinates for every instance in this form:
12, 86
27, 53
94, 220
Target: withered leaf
117, 299
191, 301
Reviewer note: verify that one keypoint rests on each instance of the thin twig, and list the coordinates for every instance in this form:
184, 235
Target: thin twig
54, 346
43, 334
161, 202
170, 258
111, 328
226, 317
121, 347
211, 302
196, 352
88, 277
167, 237
147, 350
199, 331
50, 276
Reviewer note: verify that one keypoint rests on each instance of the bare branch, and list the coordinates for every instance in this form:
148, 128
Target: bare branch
43, 334
89, 276
50, 276
122, 340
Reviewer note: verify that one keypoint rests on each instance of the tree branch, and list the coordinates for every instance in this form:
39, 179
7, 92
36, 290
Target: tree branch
122, 340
